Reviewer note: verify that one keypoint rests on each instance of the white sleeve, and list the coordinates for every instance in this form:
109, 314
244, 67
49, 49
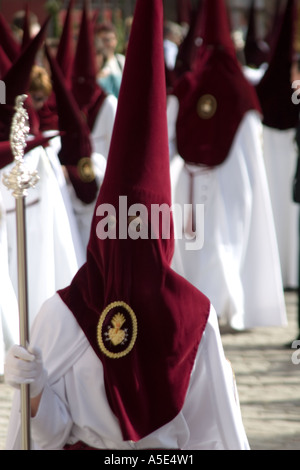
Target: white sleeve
103, 127
211, 409
52, 424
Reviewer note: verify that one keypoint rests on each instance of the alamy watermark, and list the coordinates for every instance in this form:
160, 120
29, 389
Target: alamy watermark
296, 354
133, 222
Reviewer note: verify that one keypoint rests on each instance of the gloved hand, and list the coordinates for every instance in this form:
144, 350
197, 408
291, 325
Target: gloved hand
24, 366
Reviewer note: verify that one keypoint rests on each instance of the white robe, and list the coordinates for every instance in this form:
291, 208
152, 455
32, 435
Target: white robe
51, 256
238, 266
74, 404
103, 127
280, 156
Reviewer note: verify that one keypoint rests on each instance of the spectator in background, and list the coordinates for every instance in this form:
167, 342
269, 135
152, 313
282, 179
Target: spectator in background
114, 62
173, 36
109, 82
40, 86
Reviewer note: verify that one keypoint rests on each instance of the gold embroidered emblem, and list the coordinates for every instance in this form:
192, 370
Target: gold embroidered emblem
116, 334
207, 106
86, 170
117, 330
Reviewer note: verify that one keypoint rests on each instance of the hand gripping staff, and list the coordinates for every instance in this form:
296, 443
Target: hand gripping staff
19, 180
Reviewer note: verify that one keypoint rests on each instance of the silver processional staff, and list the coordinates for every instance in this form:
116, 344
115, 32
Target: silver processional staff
19, 180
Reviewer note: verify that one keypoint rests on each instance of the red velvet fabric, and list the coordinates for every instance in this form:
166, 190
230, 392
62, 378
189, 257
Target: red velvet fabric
17, 81
87, 92
7, 40
146, 388
75, 140
5, 63
65, 50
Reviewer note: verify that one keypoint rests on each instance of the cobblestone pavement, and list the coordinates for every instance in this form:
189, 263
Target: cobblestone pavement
267, 380
268, 383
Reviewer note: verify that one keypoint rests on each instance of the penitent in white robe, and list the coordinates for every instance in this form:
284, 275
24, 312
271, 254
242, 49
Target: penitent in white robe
51, 257
74, 405
238, 266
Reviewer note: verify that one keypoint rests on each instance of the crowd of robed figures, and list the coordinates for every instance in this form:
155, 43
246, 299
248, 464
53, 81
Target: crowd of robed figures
232, 150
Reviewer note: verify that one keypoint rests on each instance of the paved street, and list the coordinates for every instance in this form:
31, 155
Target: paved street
268, 384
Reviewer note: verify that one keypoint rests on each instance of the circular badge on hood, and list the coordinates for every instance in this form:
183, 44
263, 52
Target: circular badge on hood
207, 106
86, 170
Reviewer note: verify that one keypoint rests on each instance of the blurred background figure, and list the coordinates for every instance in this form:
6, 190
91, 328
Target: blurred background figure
220, 167
113, 65
40, 87
25, 25
280, 117
110, 82
173, 37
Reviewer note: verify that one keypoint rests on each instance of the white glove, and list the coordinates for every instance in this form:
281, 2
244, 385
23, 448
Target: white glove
24, 366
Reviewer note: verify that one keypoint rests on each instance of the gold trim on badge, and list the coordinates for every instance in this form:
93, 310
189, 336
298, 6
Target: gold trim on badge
207, 106
86, 170
115, 334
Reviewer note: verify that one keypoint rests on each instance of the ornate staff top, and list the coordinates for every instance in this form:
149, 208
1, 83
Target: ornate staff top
20, 179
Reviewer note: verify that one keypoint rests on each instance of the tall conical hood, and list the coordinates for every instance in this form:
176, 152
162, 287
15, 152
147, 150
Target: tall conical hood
215, 25
184, 12
6, 155
17, 78
188, 49
129, 303
274, 89
65, 51
76, 148
256, 50
87, 92
7, 41
5, 63
215, 89
26, 28
140, 119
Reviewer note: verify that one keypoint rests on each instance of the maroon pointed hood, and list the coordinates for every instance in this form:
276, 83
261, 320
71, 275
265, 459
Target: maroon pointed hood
65, 51
7, 40
274, 89
256, 50
17, 81
26, 28
189, 47
184, 12
214, 90
87, 92
5, 63
129, 303
64, 58
76, 148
